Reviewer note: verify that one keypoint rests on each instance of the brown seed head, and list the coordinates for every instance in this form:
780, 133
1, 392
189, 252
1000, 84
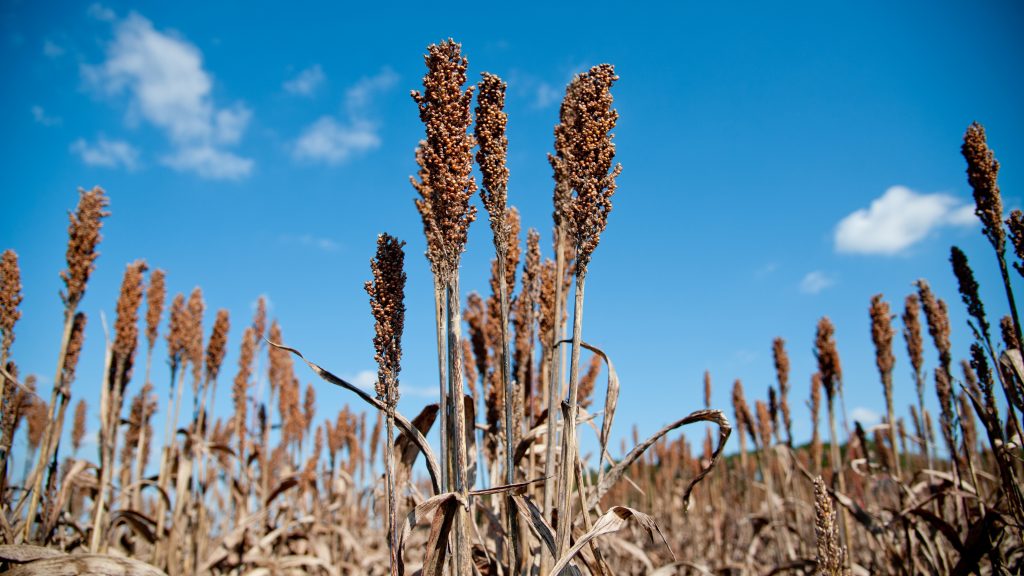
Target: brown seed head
309, 405
744, 419
587, 382
469, 367
781, 364
217, 345
1009, 336
493, 153
143, 407
525, 311
194, 337
815, 419
881, 335
1016, 225
155, 297
240, 387
968, 288
982, 171
10, 300
126, 327
259, 319
912, 331
547, 301
37, 417
177, 332
75, 344
764, 423
83, 237
587, 124
445, 158
831, 554
78, 429
387, 302
828, 357
475, 315
938, 321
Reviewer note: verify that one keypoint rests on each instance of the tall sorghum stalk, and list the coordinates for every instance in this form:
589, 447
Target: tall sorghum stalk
435, 257
937, 317
915, 351
387, 302
588, 161
562, 193
831, 558
491, 158
989, 414
10, 300
815, 405
176, 360
156, 294
982, 174
782, 374
881, 334
445, 186
831, 377
83, 237
968, 288
122, 357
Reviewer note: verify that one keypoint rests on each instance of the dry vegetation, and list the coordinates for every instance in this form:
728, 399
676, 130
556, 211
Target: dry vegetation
270, 490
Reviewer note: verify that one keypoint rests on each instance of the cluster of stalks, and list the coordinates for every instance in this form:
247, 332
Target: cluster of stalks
265, 491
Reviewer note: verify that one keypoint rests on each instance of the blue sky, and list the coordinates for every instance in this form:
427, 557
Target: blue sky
780, 163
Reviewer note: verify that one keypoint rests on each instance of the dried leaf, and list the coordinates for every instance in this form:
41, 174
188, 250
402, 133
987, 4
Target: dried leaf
402, 421
78, 564
611, 521
22, 553
616, 472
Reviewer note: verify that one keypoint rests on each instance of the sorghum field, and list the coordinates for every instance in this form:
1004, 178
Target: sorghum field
279, 488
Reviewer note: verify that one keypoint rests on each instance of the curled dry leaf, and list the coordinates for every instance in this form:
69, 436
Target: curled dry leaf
613, 520
402, 421
616, 472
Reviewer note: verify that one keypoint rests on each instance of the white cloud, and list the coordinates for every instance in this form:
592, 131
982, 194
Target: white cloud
52, 49
41, 117
359, 97
306, 82
899, 219
168, 87
209, 162
102, 13
367, 380
331, 141
328, 141
866, 416
106, 153
816, 281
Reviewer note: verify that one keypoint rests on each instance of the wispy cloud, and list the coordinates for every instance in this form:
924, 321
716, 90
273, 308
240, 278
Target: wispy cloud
899, 219
332, 141
41, 117
310, 241
100, 12
816, 281
168, 87
306, 82
209, 162
106, 153
51, 49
